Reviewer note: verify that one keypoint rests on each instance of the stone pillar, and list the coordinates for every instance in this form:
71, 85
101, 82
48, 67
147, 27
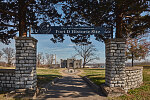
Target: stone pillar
25, 72
115, 63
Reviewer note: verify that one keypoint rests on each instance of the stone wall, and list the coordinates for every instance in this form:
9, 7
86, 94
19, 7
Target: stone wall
25, 72
24, 76
117, 75
134, 77
115, 62
7, 79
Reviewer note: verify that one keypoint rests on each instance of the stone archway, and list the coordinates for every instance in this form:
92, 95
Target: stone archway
116, 75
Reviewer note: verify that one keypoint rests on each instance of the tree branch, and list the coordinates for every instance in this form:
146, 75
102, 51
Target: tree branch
91, 59
25, 6
8, 12
6, 25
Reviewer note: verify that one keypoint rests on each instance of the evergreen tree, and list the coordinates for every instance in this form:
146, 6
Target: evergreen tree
129, 18
18, 15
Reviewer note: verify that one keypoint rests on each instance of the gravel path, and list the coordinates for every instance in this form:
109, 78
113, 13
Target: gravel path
71, 87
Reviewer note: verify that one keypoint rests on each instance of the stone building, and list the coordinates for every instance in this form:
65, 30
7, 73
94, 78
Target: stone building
71, 63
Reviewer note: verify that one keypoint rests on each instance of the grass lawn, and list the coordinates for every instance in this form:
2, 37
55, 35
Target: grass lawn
96, 75
45, 75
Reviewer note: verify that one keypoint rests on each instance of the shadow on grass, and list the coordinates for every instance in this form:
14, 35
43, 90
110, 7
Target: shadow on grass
44, 79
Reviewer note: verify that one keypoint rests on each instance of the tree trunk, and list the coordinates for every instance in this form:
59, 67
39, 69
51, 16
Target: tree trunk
132, 59
84, 63
118, 22
22, 19
9, 61
38, 63
118, 27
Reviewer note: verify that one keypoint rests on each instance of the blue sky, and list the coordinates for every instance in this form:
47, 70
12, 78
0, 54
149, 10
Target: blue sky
65, 50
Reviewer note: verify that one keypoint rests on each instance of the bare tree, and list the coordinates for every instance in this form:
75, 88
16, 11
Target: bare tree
39, 58
87, 52
43, 60
9, 54
49, 59
1, 54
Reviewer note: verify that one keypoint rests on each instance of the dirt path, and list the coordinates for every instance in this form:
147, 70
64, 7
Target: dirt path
71, 87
